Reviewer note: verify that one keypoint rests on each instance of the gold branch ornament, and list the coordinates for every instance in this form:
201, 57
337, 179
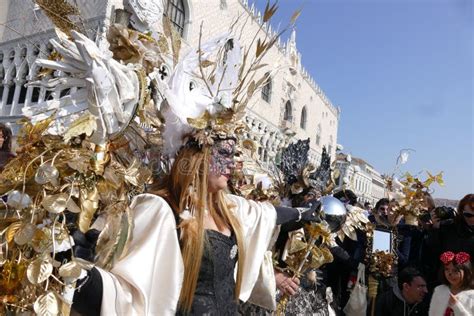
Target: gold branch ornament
410, 194
305, 254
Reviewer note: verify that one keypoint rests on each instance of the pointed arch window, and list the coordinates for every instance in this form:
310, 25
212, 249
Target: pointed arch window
176, 13
267, 88
318, 134
288, 116
303, 118
331, 140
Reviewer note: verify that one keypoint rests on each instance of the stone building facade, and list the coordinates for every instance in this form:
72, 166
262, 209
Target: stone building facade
360, 177
290, 106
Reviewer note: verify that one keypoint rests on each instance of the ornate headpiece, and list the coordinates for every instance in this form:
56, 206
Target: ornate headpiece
458, 258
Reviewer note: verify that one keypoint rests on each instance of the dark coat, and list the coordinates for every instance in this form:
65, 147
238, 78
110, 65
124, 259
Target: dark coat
391, 303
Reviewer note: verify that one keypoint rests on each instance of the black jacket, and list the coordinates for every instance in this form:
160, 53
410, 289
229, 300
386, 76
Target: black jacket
391, 303
453, 237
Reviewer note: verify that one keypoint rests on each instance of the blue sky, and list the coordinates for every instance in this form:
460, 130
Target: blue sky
402, 73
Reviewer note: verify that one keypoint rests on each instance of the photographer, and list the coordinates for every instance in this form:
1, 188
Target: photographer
450, 231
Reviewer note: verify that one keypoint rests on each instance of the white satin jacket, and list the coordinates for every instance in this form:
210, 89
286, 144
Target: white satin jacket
147, 281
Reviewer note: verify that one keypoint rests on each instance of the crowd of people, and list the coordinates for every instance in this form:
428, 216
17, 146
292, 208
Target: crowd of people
433, 274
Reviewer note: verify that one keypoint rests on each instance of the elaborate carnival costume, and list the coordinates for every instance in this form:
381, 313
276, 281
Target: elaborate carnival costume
78, 159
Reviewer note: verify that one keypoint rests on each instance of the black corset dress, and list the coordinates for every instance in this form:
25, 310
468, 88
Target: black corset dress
215, 288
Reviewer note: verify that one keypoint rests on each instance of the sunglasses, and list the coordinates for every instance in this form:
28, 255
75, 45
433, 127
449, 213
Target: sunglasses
468, 215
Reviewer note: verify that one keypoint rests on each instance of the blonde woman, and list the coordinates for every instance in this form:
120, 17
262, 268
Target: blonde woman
191, 270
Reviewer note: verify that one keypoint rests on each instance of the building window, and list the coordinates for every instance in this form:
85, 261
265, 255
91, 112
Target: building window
318, 135
303, 118
175, 12
287, 116
267, 88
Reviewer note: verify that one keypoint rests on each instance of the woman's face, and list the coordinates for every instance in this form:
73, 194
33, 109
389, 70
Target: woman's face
221, 165
453, 275
468, 214
2, 139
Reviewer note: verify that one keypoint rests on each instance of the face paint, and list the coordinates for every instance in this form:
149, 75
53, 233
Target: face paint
222, 157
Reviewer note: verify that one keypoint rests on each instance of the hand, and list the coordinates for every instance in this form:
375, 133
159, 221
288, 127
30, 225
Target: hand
435, 220
84, 244
312, 213
286, 284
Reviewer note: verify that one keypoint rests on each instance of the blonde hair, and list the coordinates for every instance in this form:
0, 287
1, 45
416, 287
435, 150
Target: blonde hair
186, 188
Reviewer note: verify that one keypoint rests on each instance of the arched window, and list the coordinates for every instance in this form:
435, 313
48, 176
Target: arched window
318, 134
175, 12
267, 88
303, 118
287, 116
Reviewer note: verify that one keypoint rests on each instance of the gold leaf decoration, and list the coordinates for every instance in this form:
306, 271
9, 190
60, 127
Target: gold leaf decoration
55, 203
72, 206
269, 11
47, 305
11, 231
40, 269
25, 234
89, 204
167, 26
86, 124
58, 11
30, 134
295, 16
207, 63
71, 271
261, 46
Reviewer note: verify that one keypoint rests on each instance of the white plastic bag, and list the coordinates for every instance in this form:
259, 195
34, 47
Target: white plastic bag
357, 304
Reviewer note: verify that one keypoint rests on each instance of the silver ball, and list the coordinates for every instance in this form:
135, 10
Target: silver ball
333, 212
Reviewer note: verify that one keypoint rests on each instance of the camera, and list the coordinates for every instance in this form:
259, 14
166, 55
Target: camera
445, 212
425, 217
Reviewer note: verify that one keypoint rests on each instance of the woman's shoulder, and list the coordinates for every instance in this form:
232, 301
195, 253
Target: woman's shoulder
441, 289
150, 203
148, 197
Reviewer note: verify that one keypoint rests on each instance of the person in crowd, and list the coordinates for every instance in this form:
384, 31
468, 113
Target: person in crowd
307, 295
455, 297
421, 255
5, 145
367, 209
346, 197
379, 215
347, 256
406, 299
456, 234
